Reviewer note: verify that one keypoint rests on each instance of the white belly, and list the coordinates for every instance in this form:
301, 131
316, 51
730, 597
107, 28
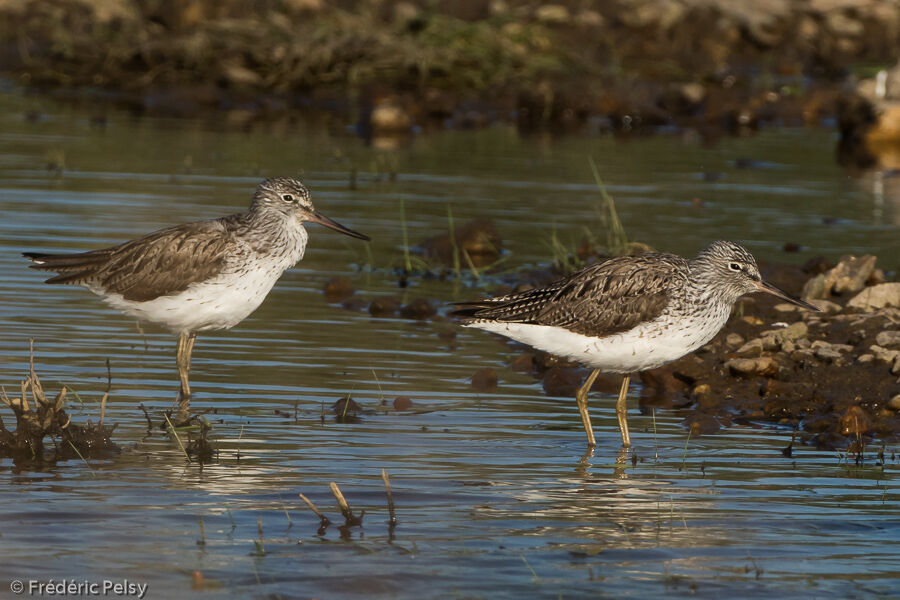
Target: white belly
218, 303
647, 346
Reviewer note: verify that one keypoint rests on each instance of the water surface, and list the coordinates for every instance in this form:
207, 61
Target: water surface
493, 496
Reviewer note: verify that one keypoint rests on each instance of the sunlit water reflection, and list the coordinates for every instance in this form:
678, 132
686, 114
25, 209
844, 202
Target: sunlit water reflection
493, 496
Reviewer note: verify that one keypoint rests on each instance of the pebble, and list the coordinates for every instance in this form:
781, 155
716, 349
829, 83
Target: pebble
888, 339
402, 403
883, 354
734, 340
485, 380
752, 348
420, 308
337, 289
763, 365
877, 296
850, 274
865, 358
384, 306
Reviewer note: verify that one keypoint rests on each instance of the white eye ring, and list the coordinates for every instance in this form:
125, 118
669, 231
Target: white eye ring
287, 198
734, 266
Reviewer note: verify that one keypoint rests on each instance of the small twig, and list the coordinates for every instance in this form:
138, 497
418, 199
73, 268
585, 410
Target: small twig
106, 393
325, 520
345, 508
390, 498
147, 416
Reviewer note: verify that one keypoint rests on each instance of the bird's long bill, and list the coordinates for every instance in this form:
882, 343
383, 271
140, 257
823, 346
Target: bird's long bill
317, 217
771, 289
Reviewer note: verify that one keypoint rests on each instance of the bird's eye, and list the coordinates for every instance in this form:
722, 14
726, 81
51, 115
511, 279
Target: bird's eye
734, 266
287, 198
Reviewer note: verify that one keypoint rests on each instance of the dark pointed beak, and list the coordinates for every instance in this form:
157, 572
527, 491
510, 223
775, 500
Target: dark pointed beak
771, 289
317, 217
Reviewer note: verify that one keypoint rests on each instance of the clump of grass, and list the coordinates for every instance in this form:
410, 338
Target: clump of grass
616, 240
39, 416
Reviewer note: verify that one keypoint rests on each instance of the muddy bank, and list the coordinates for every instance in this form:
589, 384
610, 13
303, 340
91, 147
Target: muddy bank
392, 66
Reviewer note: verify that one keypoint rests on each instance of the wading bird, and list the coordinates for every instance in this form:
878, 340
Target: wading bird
203, 275
627, 314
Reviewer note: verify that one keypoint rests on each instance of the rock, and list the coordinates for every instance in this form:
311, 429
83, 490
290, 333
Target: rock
850, 274
825, 351
877, 296
835, 347
788, 347
888, 339
420, 308
734, 340
524, 363
752, 320
552, 14
384, 306
855, 421
561, 381
402, 403
826, 306
485, 380
876, 277
894, 403
865, 359
791, 333
478, 238
815, 288
338, 288
883, 354
589, 18
345, 406
752, 348
785, 307
355, 304
895, 370
763, 365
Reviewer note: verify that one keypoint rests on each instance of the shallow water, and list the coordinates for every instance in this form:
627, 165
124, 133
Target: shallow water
493, 496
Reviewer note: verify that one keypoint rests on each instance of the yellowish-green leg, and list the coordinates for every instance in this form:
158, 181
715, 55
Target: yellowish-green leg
582, 398
183, 360
622, 412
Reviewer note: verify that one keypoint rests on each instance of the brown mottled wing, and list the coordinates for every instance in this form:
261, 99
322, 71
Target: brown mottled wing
600, 300
161, 263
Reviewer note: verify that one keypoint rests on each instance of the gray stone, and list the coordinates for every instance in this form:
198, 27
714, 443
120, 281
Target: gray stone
733, 340
883, 354
877, 296
552, 13
764, 365
752, 348
850, 274
815, 288
888, 339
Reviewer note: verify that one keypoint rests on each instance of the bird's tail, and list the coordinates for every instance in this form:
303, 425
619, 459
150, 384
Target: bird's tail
71, 268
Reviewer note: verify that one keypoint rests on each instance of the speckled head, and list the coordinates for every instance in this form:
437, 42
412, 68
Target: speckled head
728, 271
288, 197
